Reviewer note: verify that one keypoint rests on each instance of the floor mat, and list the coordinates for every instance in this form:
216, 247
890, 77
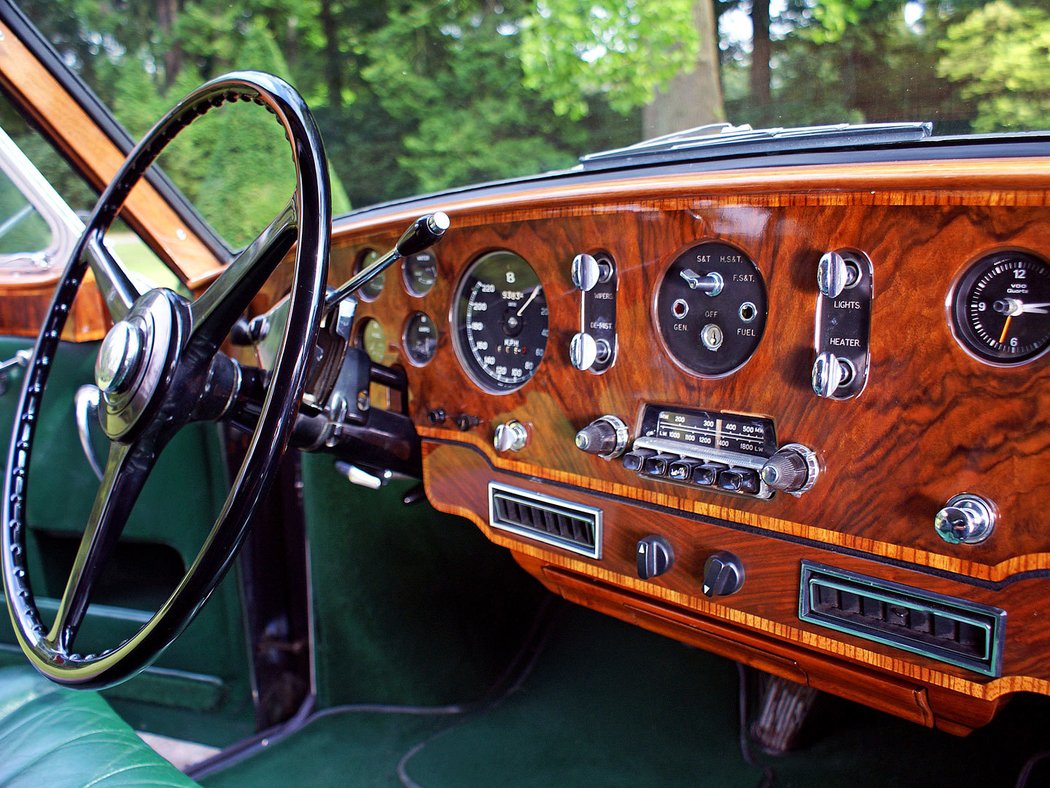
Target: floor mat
609, 704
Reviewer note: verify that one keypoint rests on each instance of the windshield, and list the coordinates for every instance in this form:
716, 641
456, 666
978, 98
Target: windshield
419, 95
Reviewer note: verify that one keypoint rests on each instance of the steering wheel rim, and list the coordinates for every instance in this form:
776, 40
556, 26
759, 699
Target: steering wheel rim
148, 380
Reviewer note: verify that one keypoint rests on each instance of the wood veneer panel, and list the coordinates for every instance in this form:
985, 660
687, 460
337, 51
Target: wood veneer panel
456, 479
932, 421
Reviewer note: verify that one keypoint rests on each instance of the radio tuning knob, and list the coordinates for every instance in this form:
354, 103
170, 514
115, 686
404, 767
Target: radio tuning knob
835, 273
965, 519
512, 436
793, 468
586, 271
606, 436
830, 373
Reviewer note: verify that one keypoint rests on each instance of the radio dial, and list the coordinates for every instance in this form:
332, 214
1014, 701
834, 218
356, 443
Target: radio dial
793, 468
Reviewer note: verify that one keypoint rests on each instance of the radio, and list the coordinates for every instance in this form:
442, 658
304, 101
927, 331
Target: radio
714, 450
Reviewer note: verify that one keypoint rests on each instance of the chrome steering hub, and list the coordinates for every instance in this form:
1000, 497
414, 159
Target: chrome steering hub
136, 359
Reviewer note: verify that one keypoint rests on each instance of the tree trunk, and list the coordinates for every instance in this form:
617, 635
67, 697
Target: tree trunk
693, 98
167, 13
761, 96
334, 69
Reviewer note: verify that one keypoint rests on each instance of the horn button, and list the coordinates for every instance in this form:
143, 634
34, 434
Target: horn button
135, 359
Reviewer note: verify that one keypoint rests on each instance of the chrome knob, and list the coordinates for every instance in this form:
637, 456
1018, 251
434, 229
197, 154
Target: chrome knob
606, 436
586, 271
711, 283
835, 273
585, 352
965, 519
511, 436
793, 468
830, 373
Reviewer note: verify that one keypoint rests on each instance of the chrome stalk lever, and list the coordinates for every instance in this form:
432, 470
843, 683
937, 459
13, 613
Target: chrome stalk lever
421, 234
85, 408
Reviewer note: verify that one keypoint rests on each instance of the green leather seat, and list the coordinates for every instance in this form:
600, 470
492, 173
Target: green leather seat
58, 737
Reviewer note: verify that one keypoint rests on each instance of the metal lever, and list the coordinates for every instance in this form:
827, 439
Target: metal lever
423, 232
85, 407
19, 359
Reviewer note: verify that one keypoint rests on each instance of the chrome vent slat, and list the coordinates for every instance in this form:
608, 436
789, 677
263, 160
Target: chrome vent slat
951, 630
553, 521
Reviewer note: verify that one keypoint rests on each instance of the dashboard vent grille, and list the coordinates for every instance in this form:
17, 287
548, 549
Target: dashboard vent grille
955, 631
552, 521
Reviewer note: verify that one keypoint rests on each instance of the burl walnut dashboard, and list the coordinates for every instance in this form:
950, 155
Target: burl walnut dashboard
799, 417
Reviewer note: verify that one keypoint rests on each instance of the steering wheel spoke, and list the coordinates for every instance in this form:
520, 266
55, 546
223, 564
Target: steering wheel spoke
127, 469
118, 291
219, 307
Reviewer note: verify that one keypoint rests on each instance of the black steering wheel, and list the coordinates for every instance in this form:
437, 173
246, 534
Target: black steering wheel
158, 369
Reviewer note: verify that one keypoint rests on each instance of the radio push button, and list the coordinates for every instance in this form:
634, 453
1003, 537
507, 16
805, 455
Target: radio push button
634, 460
656, 465
682, 470
743, 480
706, 474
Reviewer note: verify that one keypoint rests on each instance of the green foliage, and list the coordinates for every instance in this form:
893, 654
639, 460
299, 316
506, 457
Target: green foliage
1000, 55
574, 49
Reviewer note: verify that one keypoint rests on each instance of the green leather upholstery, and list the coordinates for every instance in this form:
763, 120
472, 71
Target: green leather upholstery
57, 737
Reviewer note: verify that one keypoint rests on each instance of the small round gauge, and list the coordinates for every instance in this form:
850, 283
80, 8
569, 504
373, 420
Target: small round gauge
420, 339
1000, 308
499, 319
711, 309
371, 291
372, 339
420, 272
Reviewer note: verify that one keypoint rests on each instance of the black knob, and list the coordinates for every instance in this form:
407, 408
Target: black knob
423, 232
723, 574
793, 468
655, 556
605, 436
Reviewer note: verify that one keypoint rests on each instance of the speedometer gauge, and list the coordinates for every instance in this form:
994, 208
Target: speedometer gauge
499, 318
1000, 309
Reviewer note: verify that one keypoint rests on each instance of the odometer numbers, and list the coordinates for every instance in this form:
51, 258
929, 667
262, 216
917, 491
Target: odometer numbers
1000, 309
500, 321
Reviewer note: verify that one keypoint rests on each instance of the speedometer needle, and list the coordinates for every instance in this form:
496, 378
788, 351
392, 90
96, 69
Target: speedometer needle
535, 292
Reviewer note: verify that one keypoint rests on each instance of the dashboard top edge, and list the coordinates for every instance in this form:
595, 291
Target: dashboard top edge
1020, 174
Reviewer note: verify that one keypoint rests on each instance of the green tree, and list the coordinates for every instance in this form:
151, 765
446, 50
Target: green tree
1000, 55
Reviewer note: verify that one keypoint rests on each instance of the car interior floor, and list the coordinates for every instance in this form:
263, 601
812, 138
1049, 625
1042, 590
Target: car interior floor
597, 702
571, 697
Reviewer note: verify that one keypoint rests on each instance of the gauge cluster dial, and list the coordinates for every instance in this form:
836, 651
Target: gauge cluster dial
1000, 308
499, 321
371, 290
711, 309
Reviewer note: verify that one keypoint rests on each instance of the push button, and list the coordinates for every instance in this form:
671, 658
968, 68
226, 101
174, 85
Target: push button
682, 470
634, 460
743, 480
657, 464
707, 473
